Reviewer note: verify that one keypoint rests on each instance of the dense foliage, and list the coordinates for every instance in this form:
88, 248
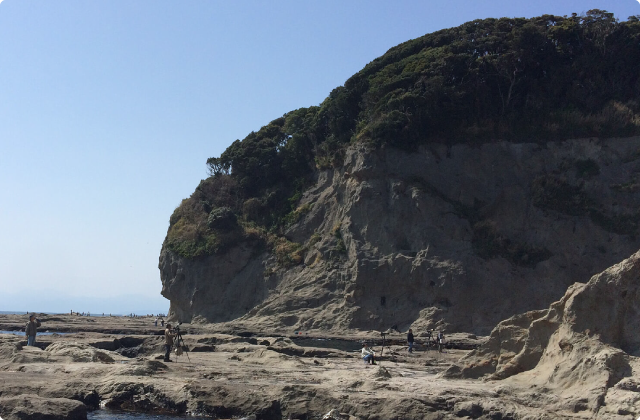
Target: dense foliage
512, 79
535, 79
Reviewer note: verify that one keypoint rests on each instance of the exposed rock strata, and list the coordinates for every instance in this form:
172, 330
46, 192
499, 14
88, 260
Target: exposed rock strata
459, 237
586, 346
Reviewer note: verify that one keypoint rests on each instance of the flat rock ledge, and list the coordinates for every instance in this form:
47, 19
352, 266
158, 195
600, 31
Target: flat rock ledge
33, 407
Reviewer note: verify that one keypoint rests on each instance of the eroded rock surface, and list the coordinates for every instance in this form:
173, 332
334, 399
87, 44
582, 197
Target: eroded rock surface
460, 237
271, 377
262, 377
33, 407
586, 346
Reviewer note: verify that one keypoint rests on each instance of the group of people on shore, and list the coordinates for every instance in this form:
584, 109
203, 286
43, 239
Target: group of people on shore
131, 315
31, 329
435, 338
368, 355
76, 313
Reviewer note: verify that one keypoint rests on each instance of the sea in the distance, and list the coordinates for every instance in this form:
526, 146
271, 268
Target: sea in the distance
67, 313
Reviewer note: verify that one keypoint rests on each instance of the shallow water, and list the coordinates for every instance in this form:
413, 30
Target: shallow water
39, 333
328, 343
127, 415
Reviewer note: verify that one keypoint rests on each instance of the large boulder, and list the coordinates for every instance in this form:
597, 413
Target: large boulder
586, 346
33, 407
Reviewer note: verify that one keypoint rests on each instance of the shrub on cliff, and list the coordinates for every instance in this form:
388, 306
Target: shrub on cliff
553, 193
204, 223
488, 243
222, 218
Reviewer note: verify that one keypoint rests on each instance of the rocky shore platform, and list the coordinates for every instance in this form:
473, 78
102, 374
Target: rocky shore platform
85, 363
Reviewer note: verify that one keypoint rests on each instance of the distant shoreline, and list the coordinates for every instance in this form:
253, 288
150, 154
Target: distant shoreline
98, 314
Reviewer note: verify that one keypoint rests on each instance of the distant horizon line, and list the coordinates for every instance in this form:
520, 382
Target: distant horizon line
100, 314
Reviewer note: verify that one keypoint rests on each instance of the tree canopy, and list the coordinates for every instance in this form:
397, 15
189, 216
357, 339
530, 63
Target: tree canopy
509, 79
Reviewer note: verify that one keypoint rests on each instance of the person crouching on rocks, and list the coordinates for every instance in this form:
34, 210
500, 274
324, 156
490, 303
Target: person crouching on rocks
168, 337
368, 355
31, 329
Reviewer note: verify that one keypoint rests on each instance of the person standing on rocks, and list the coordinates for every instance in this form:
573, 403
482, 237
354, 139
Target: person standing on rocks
410, 340
440, 341
168, 342
31, 330
368, 355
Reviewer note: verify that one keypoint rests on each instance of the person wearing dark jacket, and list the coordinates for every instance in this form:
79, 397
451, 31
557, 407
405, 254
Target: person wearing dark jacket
410, 340
31, 330
168, 337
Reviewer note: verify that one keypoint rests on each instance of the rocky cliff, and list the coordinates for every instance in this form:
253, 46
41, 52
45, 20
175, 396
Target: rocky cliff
457, 237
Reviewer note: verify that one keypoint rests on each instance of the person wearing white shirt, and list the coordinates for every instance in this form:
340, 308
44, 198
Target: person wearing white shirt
368, 355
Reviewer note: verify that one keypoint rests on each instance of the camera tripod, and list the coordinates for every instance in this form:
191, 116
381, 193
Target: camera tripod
435, 340
384, 336
178, 341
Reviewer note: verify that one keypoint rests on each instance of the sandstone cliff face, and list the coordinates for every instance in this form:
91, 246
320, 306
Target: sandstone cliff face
586, 346
455, 237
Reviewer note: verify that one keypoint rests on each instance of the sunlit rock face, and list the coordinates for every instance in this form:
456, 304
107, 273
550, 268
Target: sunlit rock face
457, 237
586, 346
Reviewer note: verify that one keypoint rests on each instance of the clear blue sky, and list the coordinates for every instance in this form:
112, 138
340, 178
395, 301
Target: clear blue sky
109, 110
